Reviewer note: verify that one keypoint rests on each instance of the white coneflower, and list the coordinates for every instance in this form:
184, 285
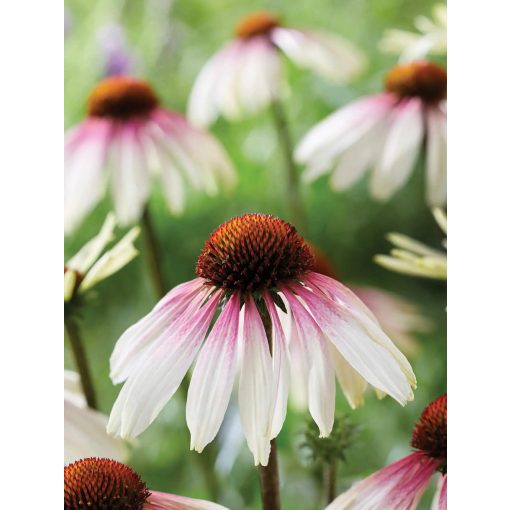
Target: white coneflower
415, 258
251, 269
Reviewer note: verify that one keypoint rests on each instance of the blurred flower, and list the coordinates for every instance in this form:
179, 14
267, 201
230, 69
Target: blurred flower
87, 268
127, 126
104, 483
84, 428
118, 57
431, 38
247, 73
401, 484
252, 269
385, 132
414, 258
68, 22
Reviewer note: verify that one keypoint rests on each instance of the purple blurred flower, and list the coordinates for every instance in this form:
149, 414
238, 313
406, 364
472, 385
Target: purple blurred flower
118, 57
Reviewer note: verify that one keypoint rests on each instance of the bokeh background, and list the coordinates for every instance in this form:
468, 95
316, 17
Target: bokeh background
170, 41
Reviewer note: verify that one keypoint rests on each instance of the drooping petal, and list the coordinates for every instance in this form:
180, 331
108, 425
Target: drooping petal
213, 377
401, 150
355, 340
91, 250
397, 486
329, 55
440, 498
280, 358
436, 157
159, 372
256, 384
163, 501
138, 337
85, 150
321, 376
129, 173
326, 141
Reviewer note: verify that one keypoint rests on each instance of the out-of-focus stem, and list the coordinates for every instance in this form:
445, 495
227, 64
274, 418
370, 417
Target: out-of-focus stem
80, 359
152, 255
330, 480
293, 192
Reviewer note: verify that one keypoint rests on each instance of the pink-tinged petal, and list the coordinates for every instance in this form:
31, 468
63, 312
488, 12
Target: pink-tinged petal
321, 376
129, 173
398, 317
352, 383
329, 55
398, 486
159, 371
213, 377
280, 357
436, 157
326, 142
440, 498
164, 501
256, 384
403, 144
138, 337
354, 338
85, 149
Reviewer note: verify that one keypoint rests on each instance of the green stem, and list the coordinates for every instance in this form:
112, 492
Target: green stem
152, 255
268, 475
294, 198
330, 481
80, 359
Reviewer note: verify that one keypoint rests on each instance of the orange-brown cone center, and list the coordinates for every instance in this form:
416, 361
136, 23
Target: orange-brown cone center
102, 484
254, 252
429, 434
417, 79
121, 97
257, 23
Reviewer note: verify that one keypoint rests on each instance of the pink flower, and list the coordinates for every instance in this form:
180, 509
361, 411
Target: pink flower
254, 269
104, 483
247, 73
385, 133
128, 132
400, 485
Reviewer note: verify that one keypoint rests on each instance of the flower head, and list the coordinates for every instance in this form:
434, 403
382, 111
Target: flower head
385, 133
98, 484
430, 40
130, 133
401, 484
256, 270
414, 258
88, 267
247, 73
84, 428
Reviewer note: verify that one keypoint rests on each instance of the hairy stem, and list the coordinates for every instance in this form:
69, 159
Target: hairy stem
152, 255
294, 198
80, 359
268, 475
330, 480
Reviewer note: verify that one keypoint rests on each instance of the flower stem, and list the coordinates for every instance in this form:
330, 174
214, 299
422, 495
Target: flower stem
294, 198
330, 480
80, 359
268, 475
152, 255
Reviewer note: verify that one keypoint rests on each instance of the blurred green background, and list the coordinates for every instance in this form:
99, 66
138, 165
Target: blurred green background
172, 40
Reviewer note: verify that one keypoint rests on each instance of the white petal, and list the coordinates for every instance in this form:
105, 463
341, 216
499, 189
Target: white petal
164, 501
402, 147
372, 360
129, 173
256, 384
159, 373
280, 357
84, 182
73, 391
213, 377
436, 157
329, 55
321, 377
